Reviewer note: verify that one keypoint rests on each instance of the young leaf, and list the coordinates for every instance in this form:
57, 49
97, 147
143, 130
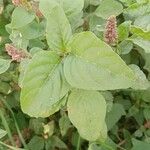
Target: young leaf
4, 65
58, 30
87, 110
93, 65
21, 17
108, 8
43, 85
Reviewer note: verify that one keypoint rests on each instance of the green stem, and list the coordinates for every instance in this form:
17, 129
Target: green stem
79, 142
16, 124
6, 126
10, 147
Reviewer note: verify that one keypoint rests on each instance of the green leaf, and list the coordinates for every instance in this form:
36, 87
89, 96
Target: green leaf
93, 65
107, 145
139, 145
140, 32
93, 2
43, 85
146, 57
108, 8
128, 2
135, 10
125, 47
36, 125
34, 50
109, 99
64, 124
87, 110
58, 30
114, 115
22, 68
21, 17
33, 30
141, 1
47, 6
36, 143
73, 11
97, 25
143, 22
18, 40
123, 30
2, 133
144, 44
54, 142
147, 113
4, 65
141, 82
145, 95
49, 128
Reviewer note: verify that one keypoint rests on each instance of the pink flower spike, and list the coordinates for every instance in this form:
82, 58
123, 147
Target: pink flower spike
16, 54
110, 33
35, 8
16, 2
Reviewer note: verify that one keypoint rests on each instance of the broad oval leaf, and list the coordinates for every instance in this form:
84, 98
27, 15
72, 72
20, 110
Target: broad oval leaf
46, 7
143, 43
73, 11
4, 65
135, 10
43, 85
108, 8
33, 30
21, 17
58, 30
93, 65
87, 110
143, 22
71, 8
141, 82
